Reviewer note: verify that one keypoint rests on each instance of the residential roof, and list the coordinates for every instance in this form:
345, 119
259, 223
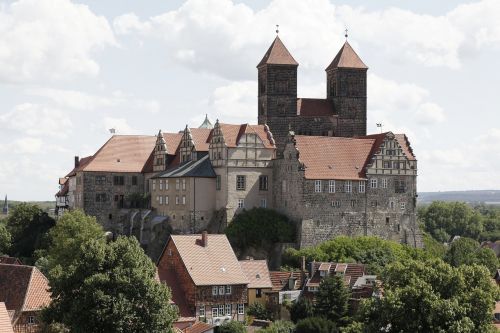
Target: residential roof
198, 327
64, 190
200, 138
277, 54
233, 133
4, 259
333, 157
314, 107
82, 163
347, 58
199, 168
23, 288
213, 264
172, 141
257, 273
280, 279
402, 140
5, 323
63, 181
123, 153
351, 272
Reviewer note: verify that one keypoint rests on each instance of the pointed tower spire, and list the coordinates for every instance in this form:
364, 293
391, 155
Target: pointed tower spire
277, 54
206, 123
347, 58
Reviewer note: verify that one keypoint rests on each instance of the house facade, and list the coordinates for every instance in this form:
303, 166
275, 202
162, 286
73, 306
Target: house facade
260, 284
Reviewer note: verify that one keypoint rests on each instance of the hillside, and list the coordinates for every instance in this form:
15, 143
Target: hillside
482, 196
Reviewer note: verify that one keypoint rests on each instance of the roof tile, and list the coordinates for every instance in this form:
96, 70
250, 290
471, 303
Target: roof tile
277, 54
257, 273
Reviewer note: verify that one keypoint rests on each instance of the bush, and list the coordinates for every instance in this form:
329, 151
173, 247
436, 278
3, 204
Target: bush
301, 309
259, 311
232, 327
316, 325
279, 326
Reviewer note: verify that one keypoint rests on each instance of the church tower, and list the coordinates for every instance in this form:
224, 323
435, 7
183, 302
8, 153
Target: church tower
346, 87
5, 209
277, 91
160, 153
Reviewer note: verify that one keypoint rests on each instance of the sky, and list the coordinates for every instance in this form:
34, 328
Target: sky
71, 70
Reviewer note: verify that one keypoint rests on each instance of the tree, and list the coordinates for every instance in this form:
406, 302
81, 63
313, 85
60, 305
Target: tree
316, 325
431, 296
302, 308
332, 299
232, 327
110, 287
259, 311
5, 239
466, 251
279, 326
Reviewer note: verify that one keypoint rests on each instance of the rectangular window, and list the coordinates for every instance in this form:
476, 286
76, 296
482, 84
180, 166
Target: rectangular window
395, 165
228, 290
348, 186
353, 203
373, 183
215, 312
240, 183
331, 186
177, 184
317, 186
176, 199
403, 205
100, 180
161, 184
31, 320
361, 186
100, 197
217, 182
221, 310
183, 184
219, 155
283, 186
183, 199
221, 290
241, 203
263, 203
161, 200
215, 290
400, 186
166, 184
384, 182
258, 293
118, 180
154, 184
241, 309
201, 311
134, 180
166, 200
263, 183
387, 164
336, 204
228, 309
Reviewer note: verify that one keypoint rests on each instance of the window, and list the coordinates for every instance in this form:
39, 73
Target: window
373, 183
154, 184
400, 186
166, 200
387, 164
263, 183
221, 310
331, 186
177, 184
100, 197
219, 155
241, 309
228, 290
183, 184
390, 152
336, 204
361, 186
166, 184
161, 200
217, 182
283, 186
258, 293
183, 199
228, 309
241, 203
374, 204
118, 180
100, 180
176, 199
348, 186
263, 203
353, 203
391, 204
384, 182
221, 290
215, 312
403, 205
214, 291
31, 320
161, 184
201, 311
317, 186
240, 183
134, 180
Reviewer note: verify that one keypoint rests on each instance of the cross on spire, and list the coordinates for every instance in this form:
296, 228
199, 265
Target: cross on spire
277, 29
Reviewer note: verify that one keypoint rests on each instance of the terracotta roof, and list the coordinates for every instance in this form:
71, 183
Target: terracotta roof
123, 153
172, 141
347, 58
213, 264
62, 192
333, 157
402, 140
405, 145
5, 324
63, 181
83, 162
325, 266
233, 133
200, 138
351, 271
10, 260
23, 288
279, 279
257, 273
277, 54
311, 107
198, 327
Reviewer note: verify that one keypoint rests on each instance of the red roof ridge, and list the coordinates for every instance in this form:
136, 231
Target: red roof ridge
277, 54
347, 58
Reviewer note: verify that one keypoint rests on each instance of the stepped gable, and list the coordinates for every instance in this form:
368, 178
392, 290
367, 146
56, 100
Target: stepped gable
314, 107
334, 157
347, 58
277, 54
402, 139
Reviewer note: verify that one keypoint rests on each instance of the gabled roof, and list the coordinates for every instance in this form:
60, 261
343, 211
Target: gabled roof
198, 327
206, 123
5, 324
402, 140
172, 141
277, 54
280, 279
122, 153
83, 162
233, 133
333, 157
4, 259
200, 138
214, 264
351, 272
199, 168
313, 107
257, 273
23, 288
347, 58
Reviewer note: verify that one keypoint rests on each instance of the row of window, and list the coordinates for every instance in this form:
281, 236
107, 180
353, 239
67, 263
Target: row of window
179, 183
373, 204
241, 183
399, 185
117, 180
178, 200
222, 310
394, 165
263, 203
221, 290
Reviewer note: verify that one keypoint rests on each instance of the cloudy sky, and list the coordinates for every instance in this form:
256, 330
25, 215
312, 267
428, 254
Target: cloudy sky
70, 70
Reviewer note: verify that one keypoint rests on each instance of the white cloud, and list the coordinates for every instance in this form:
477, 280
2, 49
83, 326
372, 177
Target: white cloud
429, 113
236, 102
120, 125
36, 120
50, 39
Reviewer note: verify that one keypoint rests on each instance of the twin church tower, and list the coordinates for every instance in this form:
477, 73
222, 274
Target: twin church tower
342, 113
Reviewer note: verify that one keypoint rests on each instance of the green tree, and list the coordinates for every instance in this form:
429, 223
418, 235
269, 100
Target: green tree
302, 308
332, 299
431, 296
279, 326
466, 251
232, 327
110, 287
5, 239
316, 325
29, 227
259, 311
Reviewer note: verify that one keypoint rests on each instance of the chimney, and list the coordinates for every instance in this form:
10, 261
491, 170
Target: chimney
77, 161
204, 239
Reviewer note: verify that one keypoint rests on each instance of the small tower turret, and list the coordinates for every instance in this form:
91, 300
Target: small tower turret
160, 153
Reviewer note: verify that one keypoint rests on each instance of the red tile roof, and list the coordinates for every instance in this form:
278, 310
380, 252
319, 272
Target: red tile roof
314, 107
172, 141
277, 54
405, 145
347, 58
5, 323
200, 138
333, 157
214, 264
10, 260
233, 133
257, 273
23, 288
198, 327
351, 272
83, 162
280, 279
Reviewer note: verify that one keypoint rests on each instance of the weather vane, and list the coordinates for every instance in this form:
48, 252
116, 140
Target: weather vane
277, 28
346, 31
